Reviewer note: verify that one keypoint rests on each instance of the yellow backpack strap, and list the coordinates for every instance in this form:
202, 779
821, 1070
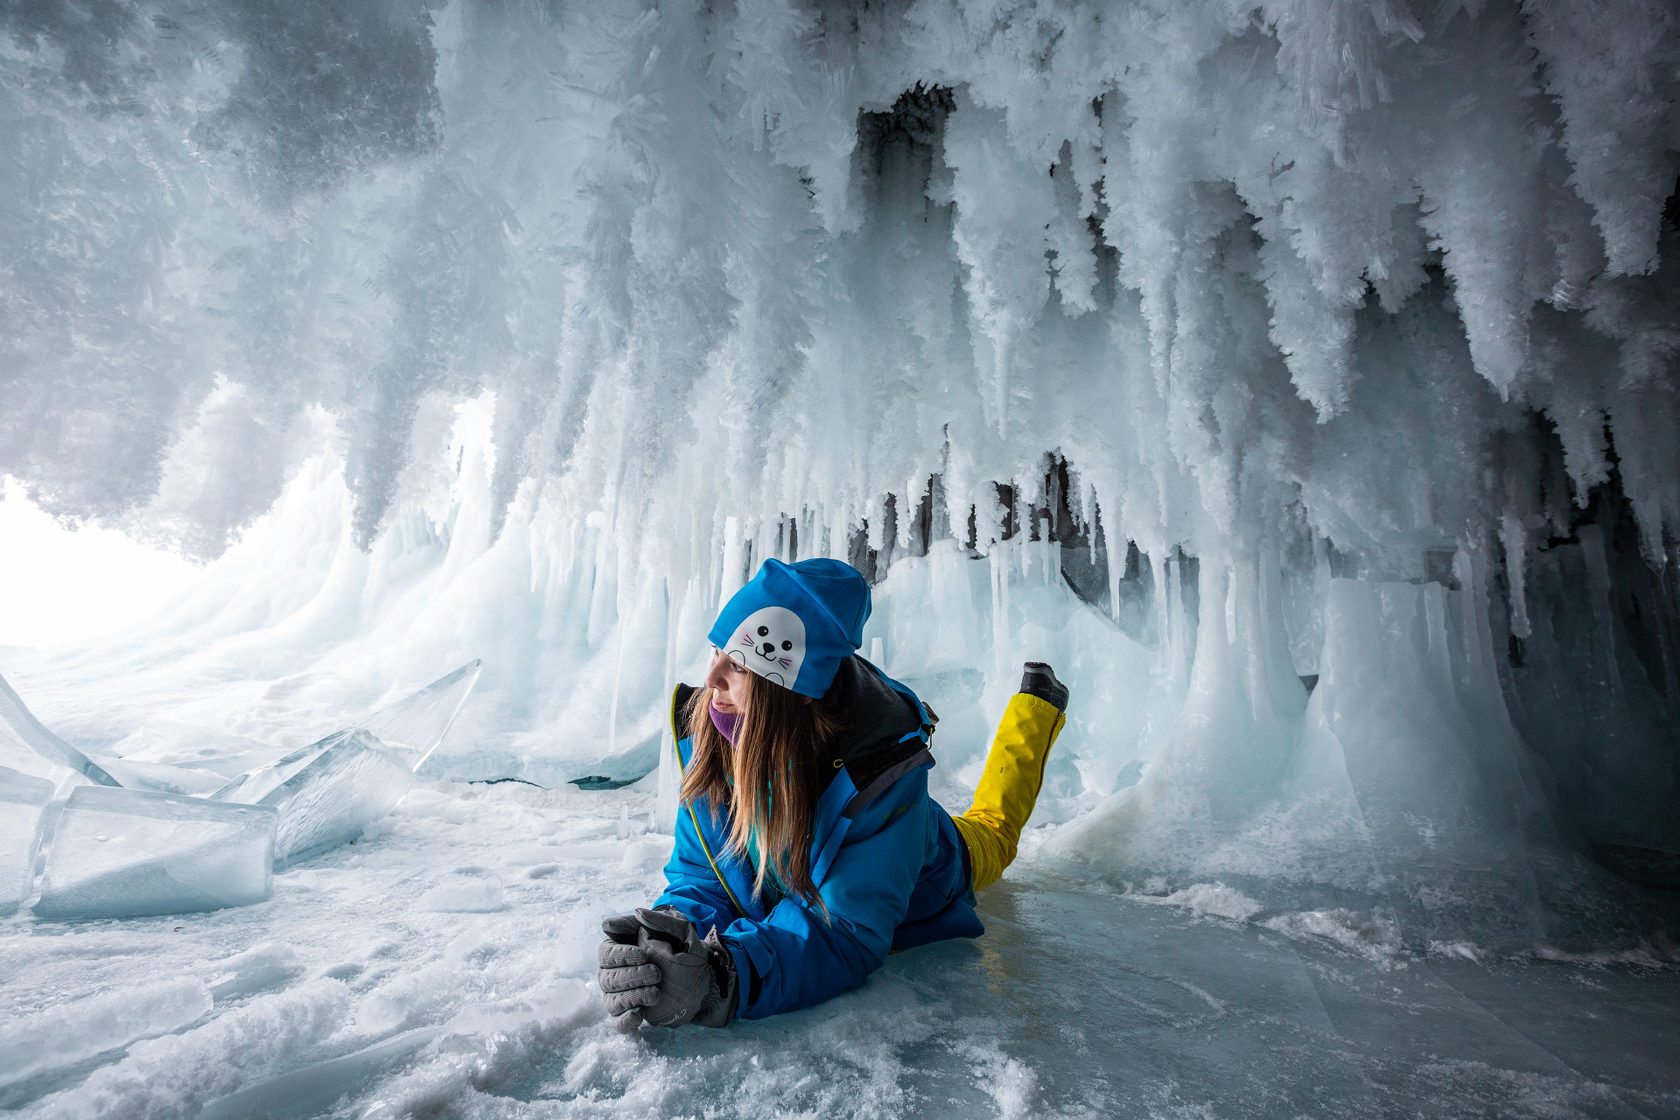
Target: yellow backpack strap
679, 700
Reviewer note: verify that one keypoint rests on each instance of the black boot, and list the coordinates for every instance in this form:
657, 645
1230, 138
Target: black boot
1038, 679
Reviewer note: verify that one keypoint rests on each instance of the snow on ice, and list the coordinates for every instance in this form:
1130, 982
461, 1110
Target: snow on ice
1297, 378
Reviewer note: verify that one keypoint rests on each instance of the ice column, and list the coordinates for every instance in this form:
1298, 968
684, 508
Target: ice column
1446, 794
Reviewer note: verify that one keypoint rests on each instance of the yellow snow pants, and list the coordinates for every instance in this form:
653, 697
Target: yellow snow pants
1009, 786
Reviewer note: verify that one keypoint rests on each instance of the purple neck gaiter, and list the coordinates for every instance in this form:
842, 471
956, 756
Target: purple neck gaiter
725, 722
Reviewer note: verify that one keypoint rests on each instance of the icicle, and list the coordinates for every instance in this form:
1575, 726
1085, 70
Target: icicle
1599, 594
999, 569
1179, 645
1116, 571
1479, 679
665, 800
734, 572
839, 534
1052, 553
1165, 605
1245, 630
1514, 537
624, 607
1233, 596
1001, 373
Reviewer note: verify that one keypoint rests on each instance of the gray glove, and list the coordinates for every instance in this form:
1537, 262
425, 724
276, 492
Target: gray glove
655, 968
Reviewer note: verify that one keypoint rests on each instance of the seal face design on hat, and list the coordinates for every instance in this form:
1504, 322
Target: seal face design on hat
795, 624
771, 642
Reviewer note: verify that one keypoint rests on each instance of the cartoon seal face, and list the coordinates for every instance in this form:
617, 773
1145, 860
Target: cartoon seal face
771, 642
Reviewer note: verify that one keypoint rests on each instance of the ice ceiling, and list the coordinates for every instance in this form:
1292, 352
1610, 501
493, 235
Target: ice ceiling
1358, 318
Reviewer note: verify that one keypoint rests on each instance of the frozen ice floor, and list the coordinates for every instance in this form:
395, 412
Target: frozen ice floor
443, 966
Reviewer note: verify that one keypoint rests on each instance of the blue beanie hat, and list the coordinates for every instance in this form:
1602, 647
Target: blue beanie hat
793, 624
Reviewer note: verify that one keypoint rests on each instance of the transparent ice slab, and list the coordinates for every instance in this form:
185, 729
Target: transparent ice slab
27, 745
251, 787
352, 781
326, 792
23, 802
127, 853
412, 727
408, 731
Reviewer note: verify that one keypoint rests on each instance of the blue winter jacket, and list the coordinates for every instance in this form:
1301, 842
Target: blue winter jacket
885, 858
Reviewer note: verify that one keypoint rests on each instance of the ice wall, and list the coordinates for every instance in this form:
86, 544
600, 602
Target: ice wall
519, 332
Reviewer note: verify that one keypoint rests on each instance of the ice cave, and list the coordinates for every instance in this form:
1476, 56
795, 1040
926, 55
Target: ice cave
1300, 378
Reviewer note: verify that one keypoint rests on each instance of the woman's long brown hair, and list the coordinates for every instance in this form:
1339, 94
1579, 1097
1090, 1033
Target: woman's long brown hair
770, 778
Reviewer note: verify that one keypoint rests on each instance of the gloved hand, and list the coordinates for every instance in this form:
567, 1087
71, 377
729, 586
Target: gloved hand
624, 972
655, 968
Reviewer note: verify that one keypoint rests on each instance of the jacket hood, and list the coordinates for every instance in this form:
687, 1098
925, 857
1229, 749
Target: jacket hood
888, 732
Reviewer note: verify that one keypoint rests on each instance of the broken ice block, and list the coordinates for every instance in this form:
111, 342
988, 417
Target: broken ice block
126, 853
252, 786
413, 727
353, 783
19, 756
326, 792
23, 801
27, 745
407, 731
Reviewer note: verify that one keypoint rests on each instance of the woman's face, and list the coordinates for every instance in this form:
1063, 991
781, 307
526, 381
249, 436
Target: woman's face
727, 679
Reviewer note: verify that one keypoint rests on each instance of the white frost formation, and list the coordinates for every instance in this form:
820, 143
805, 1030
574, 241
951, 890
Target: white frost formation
1252, 269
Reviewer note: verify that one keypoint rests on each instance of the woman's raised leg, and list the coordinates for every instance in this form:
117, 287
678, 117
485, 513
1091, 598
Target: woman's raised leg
1014, 772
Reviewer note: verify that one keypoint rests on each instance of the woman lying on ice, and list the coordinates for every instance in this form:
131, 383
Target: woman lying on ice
807, 845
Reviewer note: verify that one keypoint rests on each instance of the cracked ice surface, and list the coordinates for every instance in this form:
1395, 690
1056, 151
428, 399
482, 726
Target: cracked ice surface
438, 352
